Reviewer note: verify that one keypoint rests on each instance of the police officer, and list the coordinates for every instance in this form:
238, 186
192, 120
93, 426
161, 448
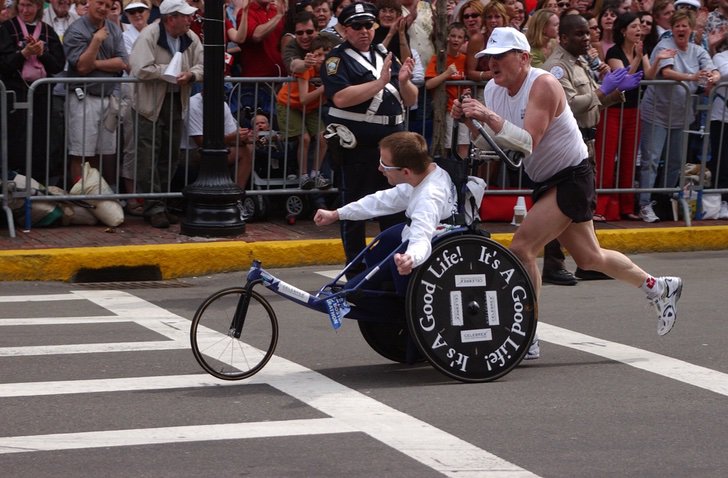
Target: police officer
586, 99
367, 91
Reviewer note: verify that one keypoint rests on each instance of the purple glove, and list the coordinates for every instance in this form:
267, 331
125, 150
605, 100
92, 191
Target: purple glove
612, 80
630, 82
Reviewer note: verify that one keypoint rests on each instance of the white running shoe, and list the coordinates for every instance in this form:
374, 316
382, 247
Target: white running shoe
534, 351
723, 214
648, 214
666, 303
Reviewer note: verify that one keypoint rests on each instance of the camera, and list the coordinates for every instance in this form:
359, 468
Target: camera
80, 94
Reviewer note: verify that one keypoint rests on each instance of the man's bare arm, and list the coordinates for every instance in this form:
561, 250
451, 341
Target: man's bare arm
546, 101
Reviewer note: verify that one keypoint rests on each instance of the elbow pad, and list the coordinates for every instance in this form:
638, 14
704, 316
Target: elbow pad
510, 137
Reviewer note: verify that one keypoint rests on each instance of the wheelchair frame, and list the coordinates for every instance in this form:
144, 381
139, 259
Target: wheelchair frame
470, 310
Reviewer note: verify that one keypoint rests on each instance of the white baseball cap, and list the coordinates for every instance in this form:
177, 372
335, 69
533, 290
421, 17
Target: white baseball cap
691, 3
176, 6
503, 39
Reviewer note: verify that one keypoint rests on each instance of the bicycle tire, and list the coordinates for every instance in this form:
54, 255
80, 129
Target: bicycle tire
215, 348
471, 309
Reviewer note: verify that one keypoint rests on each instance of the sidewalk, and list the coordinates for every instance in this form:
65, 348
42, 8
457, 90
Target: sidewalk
137, 251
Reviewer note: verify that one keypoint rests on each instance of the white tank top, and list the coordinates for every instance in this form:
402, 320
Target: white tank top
561, 145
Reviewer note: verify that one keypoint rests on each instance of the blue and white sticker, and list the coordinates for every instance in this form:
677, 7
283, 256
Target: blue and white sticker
557, 71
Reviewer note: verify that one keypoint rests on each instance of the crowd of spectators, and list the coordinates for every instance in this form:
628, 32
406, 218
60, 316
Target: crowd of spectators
637, 141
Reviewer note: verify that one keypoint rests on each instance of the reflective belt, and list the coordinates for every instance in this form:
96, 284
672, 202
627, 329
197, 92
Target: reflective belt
366, 118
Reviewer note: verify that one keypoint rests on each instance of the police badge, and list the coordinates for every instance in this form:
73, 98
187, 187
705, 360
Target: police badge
332, 65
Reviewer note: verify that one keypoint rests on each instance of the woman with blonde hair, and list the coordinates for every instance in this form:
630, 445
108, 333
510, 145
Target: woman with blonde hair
494, 15
542, 33
470, 16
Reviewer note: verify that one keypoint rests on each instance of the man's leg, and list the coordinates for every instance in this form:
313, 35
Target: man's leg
542, 225
652, 142
149, 145
662, 292
241, 159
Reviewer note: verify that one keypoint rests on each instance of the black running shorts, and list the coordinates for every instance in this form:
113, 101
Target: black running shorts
575, 193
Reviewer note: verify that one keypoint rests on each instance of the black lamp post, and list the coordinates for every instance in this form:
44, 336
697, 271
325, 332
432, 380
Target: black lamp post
214, 201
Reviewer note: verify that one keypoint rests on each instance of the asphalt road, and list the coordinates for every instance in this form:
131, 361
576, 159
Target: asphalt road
101, 382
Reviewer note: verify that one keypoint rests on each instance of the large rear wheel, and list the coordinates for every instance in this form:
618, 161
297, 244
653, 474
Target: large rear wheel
471, 308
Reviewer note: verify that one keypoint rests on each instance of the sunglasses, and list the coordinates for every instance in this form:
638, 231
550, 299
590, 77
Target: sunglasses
470, 15
134, 11
388, 168
646, 22
563, 4
359, 26
300, 33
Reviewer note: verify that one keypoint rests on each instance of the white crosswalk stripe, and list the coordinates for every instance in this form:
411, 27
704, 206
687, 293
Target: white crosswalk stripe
350, 411
347, 410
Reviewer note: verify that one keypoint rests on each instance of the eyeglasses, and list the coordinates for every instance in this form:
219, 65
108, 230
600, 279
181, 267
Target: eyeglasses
388, 168
359, 26
134, 11
300, 33
470, 15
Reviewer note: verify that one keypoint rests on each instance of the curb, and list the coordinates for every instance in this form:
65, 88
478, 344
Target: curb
185, 260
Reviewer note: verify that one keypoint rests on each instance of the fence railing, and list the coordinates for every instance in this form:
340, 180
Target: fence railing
6, 186
275, 161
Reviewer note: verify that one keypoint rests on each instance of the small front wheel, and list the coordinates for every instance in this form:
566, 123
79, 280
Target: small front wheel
230, 347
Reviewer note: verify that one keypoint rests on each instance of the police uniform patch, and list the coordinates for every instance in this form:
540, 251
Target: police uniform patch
332, 65
558, 72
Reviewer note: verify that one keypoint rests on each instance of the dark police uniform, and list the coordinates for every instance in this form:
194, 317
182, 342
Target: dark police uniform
369, 121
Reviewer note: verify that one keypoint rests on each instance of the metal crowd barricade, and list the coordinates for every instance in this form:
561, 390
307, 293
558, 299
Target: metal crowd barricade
171, 185
259, 94
6, 190
674, 126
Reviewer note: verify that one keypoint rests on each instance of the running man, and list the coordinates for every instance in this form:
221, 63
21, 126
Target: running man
528, 112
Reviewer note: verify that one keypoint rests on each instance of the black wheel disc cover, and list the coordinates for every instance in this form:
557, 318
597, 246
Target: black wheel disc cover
471, 308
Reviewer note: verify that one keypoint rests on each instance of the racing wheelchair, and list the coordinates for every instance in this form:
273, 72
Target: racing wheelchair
469, 310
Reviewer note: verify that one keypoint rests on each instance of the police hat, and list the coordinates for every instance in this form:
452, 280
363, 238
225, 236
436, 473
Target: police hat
358, 12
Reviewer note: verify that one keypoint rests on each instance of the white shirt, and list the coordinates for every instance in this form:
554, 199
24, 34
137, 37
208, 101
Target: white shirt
561, 145
193, 123
60, 25
426, 204
130, 35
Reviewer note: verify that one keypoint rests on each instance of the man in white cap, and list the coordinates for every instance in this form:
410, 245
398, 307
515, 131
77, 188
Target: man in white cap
161, 100
527, 111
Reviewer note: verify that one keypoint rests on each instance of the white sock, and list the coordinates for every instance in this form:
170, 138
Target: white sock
653, 287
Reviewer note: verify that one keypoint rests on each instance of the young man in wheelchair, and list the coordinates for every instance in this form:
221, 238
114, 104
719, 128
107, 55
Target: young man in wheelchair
421, 189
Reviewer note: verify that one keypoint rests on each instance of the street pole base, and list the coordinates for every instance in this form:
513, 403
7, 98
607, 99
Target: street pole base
213, 213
